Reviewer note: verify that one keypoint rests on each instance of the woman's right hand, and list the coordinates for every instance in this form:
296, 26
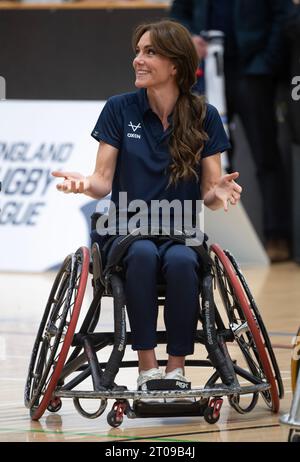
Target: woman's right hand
74, 182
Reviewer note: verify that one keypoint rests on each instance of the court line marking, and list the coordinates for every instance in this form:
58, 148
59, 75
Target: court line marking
12, 403
74, 434
206, 432
161, 438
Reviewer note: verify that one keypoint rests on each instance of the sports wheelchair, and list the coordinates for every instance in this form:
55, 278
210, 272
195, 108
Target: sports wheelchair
60, 352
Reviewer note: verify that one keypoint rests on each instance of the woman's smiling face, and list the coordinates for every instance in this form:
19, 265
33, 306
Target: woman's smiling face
151, 69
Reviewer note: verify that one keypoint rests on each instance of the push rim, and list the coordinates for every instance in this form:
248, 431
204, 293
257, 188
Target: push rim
56, 331
241, 316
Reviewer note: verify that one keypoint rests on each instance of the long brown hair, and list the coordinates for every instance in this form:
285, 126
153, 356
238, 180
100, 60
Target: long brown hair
172, 40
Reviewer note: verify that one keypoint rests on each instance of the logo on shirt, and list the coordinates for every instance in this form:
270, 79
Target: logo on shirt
134, 129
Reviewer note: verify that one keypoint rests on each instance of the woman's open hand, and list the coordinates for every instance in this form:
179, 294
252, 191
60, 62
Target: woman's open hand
227, 190
74, 182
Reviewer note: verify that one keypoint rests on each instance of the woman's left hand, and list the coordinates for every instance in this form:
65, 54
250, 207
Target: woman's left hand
227, 190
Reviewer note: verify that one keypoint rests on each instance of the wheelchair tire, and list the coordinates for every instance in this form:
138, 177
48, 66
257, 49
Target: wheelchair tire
251, 341
295, 361
261, 324
56, 332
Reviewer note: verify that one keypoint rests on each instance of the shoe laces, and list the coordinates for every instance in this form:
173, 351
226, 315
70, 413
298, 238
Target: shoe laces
151, 374
176, 374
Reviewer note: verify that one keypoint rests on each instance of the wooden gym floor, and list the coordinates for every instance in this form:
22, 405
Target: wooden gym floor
277, 292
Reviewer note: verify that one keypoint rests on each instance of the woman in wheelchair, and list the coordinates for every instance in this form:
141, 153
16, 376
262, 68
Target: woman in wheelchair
161, 142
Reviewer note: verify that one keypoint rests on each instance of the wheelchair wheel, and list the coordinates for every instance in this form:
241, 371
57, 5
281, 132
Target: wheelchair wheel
245, 325
257, 316
295, 361
56, 332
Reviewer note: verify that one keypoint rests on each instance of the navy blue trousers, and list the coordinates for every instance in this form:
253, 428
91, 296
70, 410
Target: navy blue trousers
177, 266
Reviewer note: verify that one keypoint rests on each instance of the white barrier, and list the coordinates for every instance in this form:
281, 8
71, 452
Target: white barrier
39, 225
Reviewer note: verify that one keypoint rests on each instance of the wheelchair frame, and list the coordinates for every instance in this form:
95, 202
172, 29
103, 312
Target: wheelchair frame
292, 419
51, 363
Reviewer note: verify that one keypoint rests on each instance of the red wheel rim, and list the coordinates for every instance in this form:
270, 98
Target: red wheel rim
68, 336
239, 292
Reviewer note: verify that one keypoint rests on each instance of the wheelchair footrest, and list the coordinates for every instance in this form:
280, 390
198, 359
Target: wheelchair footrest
166, 384
174, 408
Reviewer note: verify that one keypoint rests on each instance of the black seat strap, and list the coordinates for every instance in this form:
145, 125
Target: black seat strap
115, 258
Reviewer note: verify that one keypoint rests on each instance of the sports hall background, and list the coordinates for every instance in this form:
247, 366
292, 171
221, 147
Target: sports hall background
60, 63
82, 52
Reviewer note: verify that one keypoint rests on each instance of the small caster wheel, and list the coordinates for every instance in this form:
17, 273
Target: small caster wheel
115, 416
54, 405
210, 416
212, 412
113, 420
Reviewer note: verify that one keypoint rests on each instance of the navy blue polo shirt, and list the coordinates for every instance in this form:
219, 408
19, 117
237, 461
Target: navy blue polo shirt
128, 123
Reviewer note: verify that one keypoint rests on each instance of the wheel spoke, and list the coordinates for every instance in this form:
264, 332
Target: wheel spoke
245, 325
56, 331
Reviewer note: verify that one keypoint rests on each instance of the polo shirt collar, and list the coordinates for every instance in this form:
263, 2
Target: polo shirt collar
144, 103
143, 100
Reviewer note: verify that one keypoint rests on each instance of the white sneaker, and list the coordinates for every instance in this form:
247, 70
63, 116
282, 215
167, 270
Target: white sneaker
145, 376
176, 374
